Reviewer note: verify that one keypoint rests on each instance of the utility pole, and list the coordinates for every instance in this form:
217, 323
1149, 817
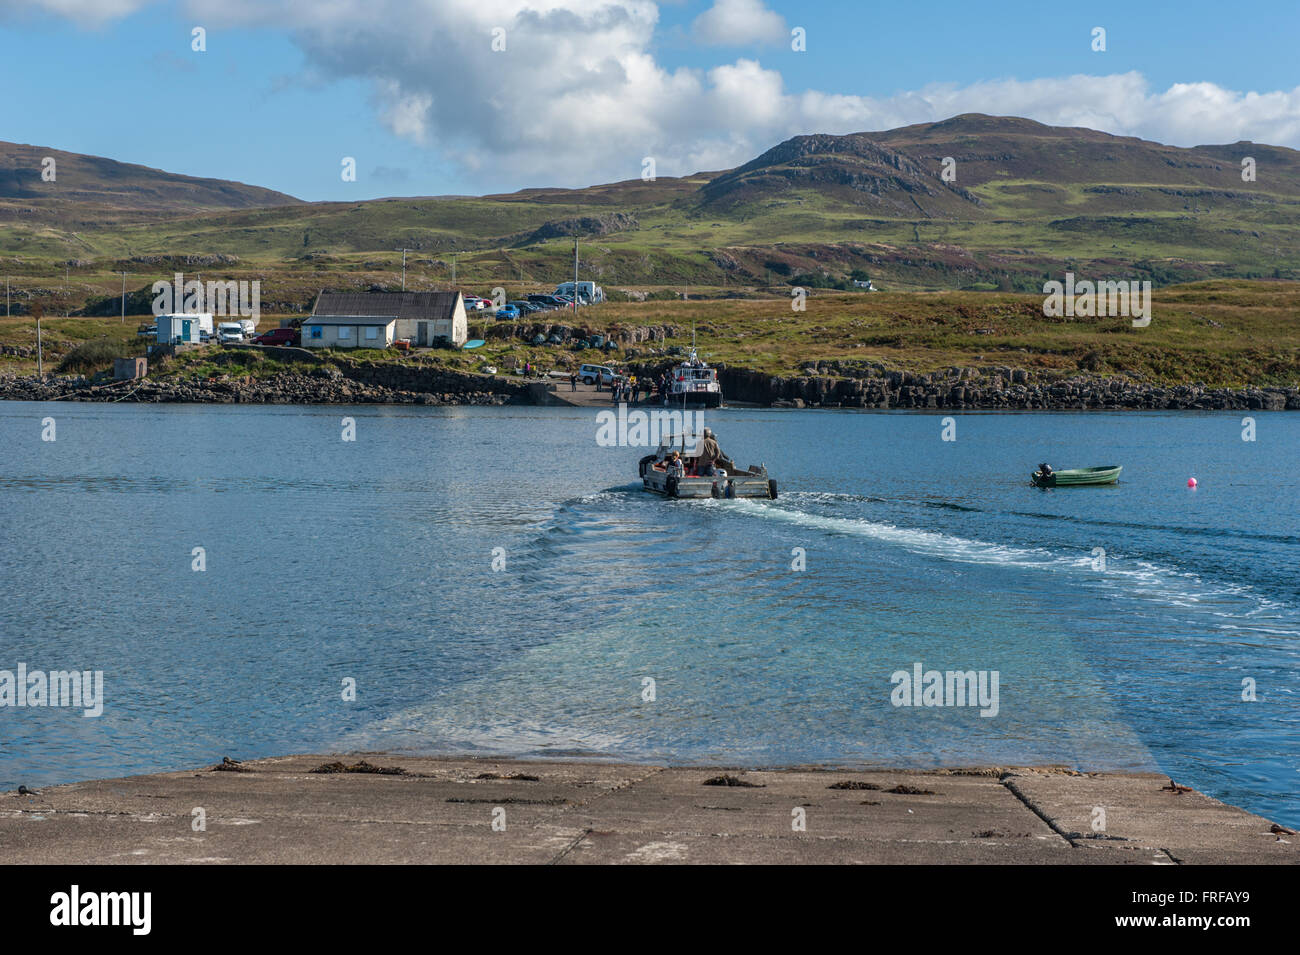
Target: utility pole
453, 270
6, 296
575, 276
40, 357
123, 298
404, 251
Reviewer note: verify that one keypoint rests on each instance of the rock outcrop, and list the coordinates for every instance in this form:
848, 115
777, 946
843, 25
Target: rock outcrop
821, 385
343, 383
991, 388
623, 335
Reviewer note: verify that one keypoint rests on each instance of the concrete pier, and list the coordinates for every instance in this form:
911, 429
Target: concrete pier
463, 810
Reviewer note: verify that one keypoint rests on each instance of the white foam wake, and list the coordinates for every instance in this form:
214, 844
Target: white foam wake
1137, 578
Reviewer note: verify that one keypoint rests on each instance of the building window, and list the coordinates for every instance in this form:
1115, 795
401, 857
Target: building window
315, 331
345, 332
372, 332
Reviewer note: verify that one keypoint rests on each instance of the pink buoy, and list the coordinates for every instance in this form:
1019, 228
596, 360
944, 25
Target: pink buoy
1191, 482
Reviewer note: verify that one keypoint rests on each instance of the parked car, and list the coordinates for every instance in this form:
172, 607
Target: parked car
527, 308
507, 313
230, 332
474, 304
547, 301
279, 336
589, 373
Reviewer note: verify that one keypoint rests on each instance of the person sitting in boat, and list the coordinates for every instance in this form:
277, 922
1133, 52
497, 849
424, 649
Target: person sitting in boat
675, 466
1045, 470
708, 454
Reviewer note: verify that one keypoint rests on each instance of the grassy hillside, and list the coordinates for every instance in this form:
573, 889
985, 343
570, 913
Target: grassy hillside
77, 183
1028, 202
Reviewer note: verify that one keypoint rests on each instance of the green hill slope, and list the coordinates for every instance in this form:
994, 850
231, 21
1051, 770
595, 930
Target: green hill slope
1028, 201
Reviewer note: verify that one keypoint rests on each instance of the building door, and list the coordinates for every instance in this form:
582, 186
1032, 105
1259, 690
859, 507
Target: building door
185, 329
422, 334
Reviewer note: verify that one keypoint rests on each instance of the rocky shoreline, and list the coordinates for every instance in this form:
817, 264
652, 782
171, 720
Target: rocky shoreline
996, 388
320, 387
821, 385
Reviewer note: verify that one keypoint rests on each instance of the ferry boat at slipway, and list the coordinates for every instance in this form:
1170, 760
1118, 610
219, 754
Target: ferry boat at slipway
694, 382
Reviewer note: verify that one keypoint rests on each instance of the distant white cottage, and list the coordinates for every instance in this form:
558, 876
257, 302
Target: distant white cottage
377, 319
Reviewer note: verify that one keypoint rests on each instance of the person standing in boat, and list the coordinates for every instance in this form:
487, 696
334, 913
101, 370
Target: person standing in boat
708, 454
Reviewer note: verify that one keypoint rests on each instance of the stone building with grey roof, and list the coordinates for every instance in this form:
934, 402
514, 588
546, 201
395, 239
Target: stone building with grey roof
377, 319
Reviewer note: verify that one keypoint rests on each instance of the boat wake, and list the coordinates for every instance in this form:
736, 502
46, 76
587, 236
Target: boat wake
1136, 578
828, 498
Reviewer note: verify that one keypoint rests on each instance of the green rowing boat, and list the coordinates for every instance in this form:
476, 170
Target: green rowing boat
1077, 477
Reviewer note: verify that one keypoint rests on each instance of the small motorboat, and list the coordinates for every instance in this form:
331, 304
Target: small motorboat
729, 480
1075, 477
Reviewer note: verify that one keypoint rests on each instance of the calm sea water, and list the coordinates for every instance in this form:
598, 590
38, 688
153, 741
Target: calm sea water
372, 561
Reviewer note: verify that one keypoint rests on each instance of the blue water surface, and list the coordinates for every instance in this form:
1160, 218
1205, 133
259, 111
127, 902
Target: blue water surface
373, 560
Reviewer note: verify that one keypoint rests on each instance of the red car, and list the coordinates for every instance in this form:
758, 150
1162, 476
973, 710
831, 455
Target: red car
279, 336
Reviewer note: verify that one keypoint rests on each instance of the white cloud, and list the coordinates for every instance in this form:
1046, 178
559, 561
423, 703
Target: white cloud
739, 23
82, 12
578, 96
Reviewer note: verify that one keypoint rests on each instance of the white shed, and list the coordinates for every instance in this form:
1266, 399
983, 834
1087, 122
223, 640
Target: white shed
182, 329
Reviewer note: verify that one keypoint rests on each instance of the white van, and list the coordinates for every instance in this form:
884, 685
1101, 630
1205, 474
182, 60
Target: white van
230, 332
589, 292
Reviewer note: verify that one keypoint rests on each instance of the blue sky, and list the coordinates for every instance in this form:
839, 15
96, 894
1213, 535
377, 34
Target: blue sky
413, 90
